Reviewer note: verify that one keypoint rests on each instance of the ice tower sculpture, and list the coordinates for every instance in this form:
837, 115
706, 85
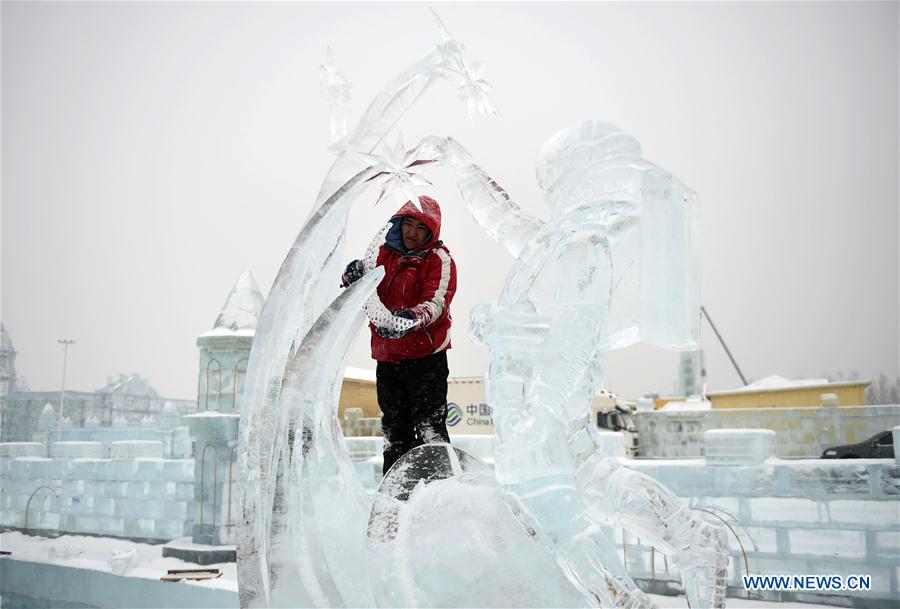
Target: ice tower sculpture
614, 264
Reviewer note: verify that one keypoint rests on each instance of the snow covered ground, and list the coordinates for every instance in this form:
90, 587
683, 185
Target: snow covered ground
138, 560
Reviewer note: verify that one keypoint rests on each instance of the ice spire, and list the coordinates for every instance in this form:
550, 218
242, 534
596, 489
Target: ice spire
243, 305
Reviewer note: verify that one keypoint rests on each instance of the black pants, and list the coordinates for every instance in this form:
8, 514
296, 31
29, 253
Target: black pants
413, 399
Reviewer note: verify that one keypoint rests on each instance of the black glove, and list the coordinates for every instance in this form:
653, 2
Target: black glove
404, 314
354, 272
391, 334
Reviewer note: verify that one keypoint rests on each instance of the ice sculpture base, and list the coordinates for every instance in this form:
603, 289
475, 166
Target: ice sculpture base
440, 535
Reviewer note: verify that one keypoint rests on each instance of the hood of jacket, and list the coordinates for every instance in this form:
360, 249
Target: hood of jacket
429, 215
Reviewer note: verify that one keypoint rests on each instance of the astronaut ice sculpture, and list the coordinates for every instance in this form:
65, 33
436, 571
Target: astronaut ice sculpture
614, 265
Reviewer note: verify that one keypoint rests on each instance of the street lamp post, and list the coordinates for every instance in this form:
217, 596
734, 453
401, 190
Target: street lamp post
62, 397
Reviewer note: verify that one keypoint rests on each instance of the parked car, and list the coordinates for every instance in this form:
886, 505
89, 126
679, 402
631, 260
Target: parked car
879, 446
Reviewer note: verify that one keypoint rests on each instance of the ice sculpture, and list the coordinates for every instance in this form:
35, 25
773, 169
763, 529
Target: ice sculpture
303, 512
613, 265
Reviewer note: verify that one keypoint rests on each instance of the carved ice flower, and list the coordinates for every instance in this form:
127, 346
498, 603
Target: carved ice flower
466, 75
396, 173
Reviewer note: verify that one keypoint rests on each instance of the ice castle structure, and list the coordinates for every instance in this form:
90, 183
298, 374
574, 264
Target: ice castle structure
613, 264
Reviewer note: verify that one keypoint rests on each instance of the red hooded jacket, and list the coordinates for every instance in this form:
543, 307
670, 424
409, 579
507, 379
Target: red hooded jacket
424, 280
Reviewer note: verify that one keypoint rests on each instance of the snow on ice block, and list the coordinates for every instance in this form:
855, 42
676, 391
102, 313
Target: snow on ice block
610, 443
738, 446
11, 450
130, 449
73, 450
828, 542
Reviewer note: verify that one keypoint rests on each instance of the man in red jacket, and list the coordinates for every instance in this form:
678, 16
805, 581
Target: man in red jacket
411, 373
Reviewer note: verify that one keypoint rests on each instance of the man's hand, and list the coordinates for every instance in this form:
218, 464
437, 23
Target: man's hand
410, 314
354, 272
392, 334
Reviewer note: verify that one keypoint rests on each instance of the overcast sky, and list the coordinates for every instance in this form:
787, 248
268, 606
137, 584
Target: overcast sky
151, 152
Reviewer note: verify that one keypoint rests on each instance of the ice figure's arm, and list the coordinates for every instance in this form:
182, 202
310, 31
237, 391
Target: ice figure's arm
619, 496
490, 205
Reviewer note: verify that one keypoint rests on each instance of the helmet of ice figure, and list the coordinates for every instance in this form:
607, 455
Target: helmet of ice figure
595, 162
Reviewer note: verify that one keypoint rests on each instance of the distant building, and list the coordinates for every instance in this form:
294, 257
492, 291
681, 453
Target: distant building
125, 400
779, 392
358, 391
691, 373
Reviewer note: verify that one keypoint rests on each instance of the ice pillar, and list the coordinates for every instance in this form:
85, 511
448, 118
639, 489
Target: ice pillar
215, 438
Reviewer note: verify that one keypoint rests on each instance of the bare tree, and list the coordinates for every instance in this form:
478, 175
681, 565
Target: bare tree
883, 391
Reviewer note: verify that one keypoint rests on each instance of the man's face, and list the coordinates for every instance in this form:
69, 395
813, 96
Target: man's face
415, 233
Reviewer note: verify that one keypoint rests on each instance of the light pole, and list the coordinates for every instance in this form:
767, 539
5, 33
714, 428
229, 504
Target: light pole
62, 396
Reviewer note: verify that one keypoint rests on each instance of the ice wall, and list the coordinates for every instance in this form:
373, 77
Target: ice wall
800, 432
793, 517
146, 498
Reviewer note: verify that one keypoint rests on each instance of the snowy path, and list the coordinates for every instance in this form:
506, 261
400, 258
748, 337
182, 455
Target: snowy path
97, 554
